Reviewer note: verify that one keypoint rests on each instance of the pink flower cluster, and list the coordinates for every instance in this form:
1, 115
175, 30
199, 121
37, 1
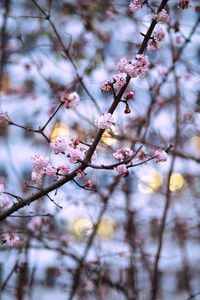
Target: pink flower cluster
158, 37
135, 5
119, 81
122, 154
105, 121
106, 87
4, 199
162, 17
43, 168
184, 4
59, 146
138, 67
160, 156
74, 150
122, 170
70, 99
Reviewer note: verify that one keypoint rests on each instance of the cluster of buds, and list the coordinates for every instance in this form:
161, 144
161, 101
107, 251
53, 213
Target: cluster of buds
4, 120
162, 17
184, 4
122, 170
122, 154
135, 5
158, 37
70, 99
43, 168
105, 121
138, 67
160, 156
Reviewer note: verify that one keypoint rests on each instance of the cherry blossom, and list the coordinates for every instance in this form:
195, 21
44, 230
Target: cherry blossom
88, 184
105, 121
184, 4
71, 99
122, 154
141, 155
130, 96
79, 173
160, 156
106, 87
59, 146
39, 162
73, 154
162, 17
64, 169
119, 81
49, 171
154, 45
122, 170
159, 34
37, 178
138, 66
121, 65
135, 5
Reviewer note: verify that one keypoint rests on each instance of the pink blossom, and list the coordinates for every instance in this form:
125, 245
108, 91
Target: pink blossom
4, 201
122, 170
106, 87
49, 171
39, 162
119, 81
162, 17
13, 240
121, 65
184, 4
122, 154
141, 155
79, 173
130, 96
131, 71
34, 223
64, 169
154, 45
73, 154
70, 99
105, 121
159, 34
59, 146
135, 5
160, 156
88, 184
141, 64
138, 66
37, 178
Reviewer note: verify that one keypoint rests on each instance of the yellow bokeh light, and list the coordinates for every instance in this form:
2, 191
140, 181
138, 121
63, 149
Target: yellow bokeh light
107, 138
106, 229
195, 144
82, 226
176, 182
149, 183
60, 129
